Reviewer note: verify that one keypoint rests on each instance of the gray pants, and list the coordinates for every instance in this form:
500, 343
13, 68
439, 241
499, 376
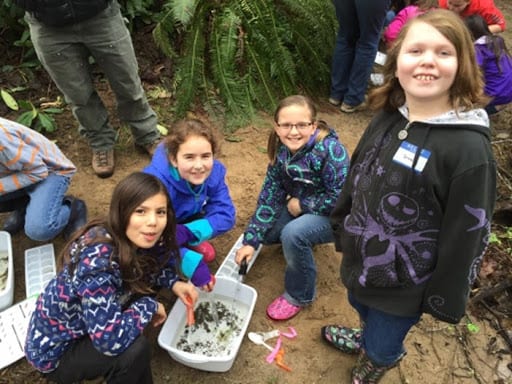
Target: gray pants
65, 51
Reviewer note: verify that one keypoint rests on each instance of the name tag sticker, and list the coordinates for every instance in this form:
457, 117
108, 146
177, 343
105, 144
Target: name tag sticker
405, 156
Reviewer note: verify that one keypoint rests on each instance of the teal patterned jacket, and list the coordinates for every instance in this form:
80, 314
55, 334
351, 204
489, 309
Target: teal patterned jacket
315, 175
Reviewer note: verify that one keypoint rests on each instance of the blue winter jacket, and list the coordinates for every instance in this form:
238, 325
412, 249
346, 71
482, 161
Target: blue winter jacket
206, 210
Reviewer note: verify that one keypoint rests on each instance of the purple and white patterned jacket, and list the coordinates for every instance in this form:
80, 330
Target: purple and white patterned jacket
91, 303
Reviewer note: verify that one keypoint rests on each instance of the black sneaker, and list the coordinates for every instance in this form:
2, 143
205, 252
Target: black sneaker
15, 222
77, 217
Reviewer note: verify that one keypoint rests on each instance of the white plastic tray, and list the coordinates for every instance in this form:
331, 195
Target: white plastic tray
229, 267
173, 327
39, 268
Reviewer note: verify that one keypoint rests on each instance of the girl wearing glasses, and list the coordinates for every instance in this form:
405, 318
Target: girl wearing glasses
306, 171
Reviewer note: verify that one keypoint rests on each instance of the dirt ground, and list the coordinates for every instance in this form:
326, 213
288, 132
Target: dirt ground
438, 353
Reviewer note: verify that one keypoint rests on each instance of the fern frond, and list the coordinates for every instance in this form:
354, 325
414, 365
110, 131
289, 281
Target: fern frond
269, 55
313, 27
183, 10
223, 50
190, 70
243, 55
260, 82
163, 41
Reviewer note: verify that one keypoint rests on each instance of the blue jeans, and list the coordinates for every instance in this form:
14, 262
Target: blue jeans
383, 333
298, 235
390, 15
360, 24
64, 53
46, 214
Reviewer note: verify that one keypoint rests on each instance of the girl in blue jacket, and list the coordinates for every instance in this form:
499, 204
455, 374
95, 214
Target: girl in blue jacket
185, 162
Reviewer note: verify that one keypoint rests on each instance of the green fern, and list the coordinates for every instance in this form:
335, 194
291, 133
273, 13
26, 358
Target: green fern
190, 73
235, 57
223, 47
183, 10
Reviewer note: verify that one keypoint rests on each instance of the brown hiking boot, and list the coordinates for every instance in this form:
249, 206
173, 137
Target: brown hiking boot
149, 148
103, 162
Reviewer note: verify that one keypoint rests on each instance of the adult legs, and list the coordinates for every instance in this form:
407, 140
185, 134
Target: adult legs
112, 48
83, 362
65, 58
370, 15
344, 48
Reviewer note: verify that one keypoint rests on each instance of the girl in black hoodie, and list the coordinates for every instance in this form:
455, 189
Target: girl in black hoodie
413, 218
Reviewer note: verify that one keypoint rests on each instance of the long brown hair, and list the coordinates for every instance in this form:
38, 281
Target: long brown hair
478, 28
273, 142
467, 88
135, 264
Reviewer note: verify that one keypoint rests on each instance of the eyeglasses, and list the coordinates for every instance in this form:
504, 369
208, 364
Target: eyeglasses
300, 126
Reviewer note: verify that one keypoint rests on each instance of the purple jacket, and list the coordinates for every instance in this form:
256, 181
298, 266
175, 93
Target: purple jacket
498, 84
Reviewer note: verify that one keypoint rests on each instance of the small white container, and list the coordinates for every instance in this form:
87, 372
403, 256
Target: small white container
7, 293
229, 267
39, 268
173, 327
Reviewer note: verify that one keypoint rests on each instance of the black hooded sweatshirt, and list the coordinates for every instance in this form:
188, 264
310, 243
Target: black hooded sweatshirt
413, 218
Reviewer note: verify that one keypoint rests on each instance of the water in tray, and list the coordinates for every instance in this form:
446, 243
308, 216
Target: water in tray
207, 338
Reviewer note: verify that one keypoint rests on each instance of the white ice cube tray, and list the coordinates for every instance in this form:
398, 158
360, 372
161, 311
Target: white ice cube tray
39, 268
229, 267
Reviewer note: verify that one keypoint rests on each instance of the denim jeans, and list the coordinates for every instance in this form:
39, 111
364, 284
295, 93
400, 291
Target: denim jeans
383, 333
360, 25
298, 235
65, 51
46, 214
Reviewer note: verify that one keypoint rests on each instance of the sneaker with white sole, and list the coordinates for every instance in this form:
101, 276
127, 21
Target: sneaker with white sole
334, 101
346, 108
